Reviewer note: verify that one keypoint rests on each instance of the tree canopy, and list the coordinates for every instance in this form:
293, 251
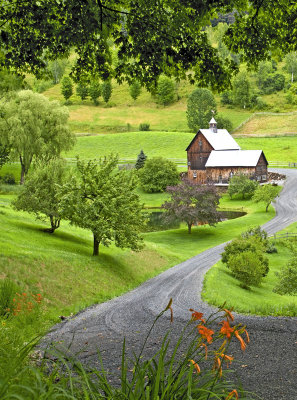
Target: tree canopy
34, 127
193, 203
152, 37
102, 198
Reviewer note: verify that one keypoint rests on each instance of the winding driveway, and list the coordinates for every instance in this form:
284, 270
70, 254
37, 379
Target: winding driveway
267, 368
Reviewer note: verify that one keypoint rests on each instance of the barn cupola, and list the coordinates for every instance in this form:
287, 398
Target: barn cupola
213, 125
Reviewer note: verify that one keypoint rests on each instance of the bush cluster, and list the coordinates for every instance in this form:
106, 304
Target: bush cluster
8, 179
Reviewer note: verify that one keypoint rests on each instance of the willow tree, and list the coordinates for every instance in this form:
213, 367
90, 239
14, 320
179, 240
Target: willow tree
35, 128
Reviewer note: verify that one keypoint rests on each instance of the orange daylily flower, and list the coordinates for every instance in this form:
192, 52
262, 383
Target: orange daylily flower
247, 336
196, 366
206, 349
197, 316
242, 342
231, 394
218, 365
205, 333
228, 314
168, 307
226, 329
228, 359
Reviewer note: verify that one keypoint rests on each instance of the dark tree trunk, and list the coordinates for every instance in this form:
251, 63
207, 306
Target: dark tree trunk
55, 224
267, 206
189, 227
96, 246
23, 174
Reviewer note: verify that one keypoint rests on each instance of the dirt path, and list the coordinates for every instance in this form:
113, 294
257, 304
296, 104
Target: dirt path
269, 366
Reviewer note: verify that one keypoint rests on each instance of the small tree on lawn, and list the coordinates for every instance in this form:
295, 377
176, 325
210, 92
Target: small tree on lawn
157, 174
135, 89
265, 194
242, 185
82, 89
95, 91
102, 198
140, 160
40, 194
192, 203
106, 91
67, 88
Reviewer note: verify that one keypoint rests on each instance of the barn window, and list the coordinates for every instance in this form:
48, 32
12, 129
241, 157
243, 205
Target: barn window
189, 162
200, 144
194, 174
264, 177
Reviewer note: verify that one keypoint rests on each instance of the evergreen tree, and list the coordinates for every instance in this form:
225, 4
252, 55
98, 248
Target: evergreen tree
140, 160
82, 89
95, 91
67, 88
106, 91
135, 90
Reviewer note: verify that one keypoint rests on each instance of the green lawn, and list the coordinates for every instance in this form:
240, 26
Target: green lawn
221, 287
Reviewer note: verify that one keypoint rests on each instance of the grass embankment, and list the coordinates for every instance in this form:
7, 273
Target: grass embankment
258, 300
61, 268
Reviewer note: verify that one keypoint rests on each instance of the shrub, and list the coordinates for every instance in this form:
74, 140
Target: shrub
288, 278
144, 126
226, 98
95, 91
247, 268
135, 89
224, 123
82, 89
157, 174
242, 185
8, 178
165, 90
242, 245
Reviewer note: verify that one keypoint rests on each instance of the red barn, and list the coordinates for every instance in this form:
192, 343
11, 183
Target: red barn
214, 156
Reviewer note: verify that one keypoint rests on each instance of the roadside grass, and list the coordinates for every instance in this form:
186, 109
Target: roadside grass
259, 300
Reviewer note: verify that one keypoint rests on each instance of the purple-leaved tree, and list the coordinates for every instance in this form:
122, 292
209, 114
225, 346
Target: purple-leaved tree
192, 203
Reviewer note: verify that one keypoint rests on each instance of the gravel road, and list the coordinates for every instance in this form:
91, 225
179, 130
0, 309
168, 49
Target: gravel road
267, 368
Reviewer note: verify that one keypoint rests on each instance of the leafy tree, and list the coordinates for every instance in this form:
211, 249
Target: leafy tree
226, 98
287, 278
192, 203
265, 194
157, 174
165, 90
102, 198
140, 160
4, 155
57, 69
82, 89
10, 82
241, 90
35, 128
200, 107
40, 194
95, 91
106, 91
291, 64
241, 245
241, 184
264, 69
247, 268
224, 123
67, 88
135, 89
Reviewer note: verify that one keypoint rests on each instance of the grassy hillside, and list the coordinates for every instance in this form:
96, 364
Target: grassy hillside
269, 125
60, 266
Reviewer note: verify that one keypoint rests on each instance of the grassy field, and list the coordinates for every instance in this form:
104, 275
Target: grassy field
259, 300
173, 145
61, 267
269, 125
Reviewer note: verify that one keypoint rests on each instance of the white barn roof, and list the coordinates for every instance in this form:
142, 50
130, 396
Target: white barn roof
232, 158
220, 140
